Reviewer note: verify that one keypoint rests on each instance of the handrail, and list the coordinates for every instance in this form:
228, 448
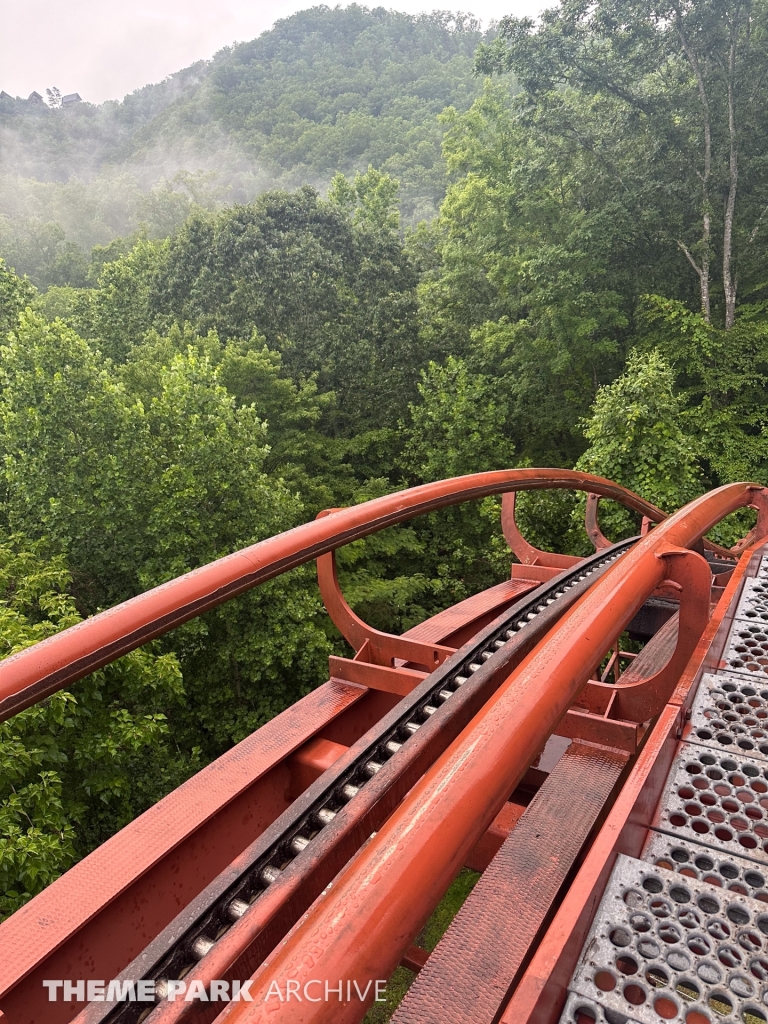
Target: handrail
364, 923
34, 673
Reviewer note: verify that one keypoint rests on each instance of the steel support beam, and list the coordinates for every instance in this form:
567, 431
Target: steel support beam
32, 674
108, 908
540, 993
363, 925
467, 978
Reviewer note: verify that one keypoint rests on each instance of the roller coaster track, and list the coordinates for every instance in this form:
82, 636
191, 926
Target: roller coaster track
511, 733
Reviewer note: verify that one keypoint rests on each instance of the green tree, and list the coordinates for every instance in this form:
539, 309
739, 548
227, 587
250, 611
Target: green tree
722, 381
636, 438
530, 281
118, 311
15, 295
459, 428
83, 762
689, 79
134, 495
328, 284
325, 90
308, 461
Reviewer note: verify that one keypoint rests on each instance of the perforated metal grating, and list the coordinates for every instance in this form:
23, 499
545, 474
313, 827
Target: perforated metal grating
731, 713
747, 649
753, 603
669, 948
734, 874
683, 934
719, 800
580, 1010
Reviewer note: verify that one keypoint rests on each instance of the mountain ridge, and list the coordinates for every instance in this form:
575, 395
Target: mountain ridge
323, 91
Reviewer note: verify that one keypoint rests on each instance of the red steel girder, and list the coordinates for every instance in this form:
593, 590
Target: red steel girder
40, 670
540, 993
32, 674
97, 916
362, 926
244, 946
466, 979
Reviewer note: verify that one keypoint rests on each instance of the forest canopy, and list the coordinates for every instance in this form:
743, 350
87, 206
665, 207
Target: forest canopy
325, 90
437, 251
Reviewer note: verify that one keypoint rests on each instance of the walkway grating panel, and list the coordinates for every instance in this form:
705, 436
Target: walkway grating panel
747, 650
730, 713
682, 935
734, 874
752, 606
720, 800
664, 947
580, 1010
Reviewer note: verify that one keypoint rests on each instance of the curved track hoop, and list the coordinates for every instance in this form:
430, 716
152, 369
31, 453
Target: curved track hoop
32, 674
378, 904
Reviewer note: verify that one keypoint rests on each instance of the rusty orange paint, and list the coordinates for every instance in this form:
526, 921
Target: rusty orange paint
362, 926
541, 990
489, 844
38, 671
96, 917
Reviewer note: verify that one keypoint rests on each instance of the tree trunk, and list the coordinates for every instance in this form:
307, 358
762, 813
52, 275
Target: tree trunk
706, 227
729, 278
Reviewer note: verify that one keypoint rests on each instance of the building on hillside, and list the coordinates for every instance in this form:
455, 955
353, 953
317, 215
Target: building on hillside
70, 98
35, 97
5, 95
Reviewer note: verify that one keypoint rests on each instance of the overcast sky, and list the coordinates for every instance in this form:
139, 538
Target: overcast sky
104, 49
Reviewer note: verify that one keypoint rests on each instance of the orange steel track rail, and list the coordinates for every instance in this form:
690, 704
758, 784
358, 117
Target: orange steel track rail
99, 915
27, 677
540, 991
362, 926
166, 857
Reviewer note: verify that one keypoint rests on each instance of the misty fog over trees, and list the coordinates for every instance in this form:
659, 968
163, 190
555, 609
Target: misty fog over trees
324, 91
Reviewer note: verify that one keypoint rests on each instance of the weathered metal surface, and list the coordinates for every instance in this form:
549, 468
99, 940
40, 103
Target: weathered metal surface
525, 551
400, 681
689, 574
125, 878
478, 959
713, 867
541, 992
468, 975
753, 603
580, 1010
747, 651
383, 648
398, 877
669, 948
458, 624
302, 877
592, 525
95, 918
651, 617
730, 713
717, 799
540, 690
489, 844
